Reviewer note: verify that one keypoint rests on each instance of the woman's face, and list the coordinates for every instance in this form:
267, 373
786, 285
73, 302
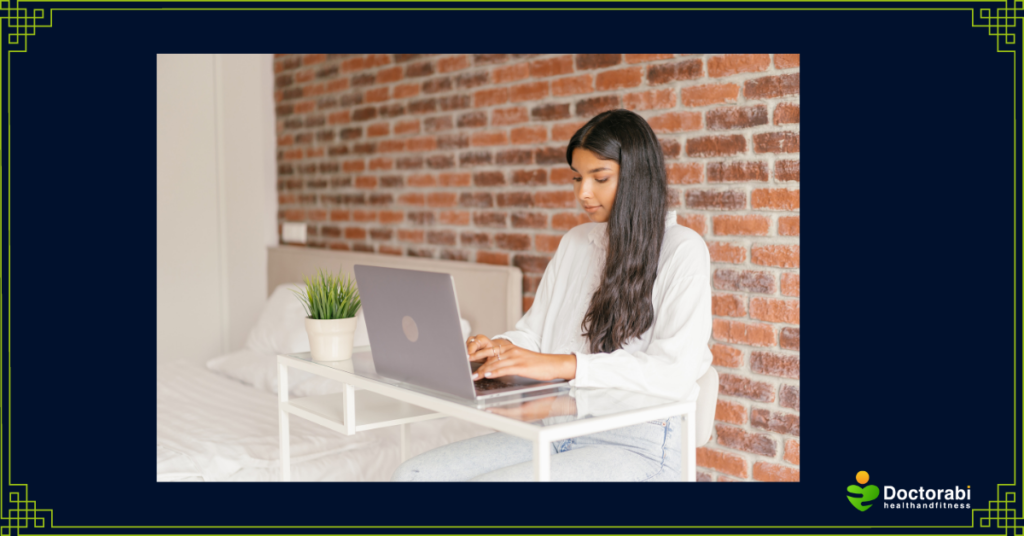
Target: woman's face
594, 183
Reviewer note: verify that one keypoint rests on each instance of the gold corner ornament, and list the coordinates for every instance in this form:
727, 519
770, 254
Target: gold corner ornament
19, 23
1002, 23
20, 513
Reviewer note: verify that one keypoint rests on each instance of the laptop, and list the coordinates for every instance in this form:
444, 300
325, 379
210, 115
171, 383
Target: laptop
412, 320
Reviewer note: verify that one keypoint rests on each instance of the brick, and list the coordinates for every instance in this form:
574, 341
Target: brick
643, 58
490, 97
474, 159
421, 181
550, 112
510, 73
442, 238
675, 122
454, 217
551, 67
554, 199
650, 100
775, 199
743, 333
790, 285
749, 225
528, 135
492, 257
734, 117
722, 462
773, 364
547, 243
777, 142
726, 252
386, 249
711, 146
619, 79
697, 96
381, 233
697, 222
534, 177
390, 146
454, 179
471, 80
534, 220
330, 231
441, 199
551, 155
716, 199
426, 143
704, 477
409, 235
381, 199
364, 215
531, 264
787, 61
391, 216
490, 219
572, 85
730, 64
673, 72
775, 255
789, 225
685, 173
527, 303
509, 116
316, 215
515, 199
593, 106
670, 148
455, 102
452, 141
733, 385
420, 252
597, 61
475, 239
454, 255
454, 63
730, 412
528, 92
792, 454
726, 356
489, 178
772, 87
485, 59
476, 200
772, 310
787, 170
514, 157
786, 113
420, 218
404, 91
381, 163
773, 472
739, 439
568, 220
781, 423
510, 241
355, 233
728, 305
789, 338
472, 120
409, 162
789, 397
484, 138
737, 171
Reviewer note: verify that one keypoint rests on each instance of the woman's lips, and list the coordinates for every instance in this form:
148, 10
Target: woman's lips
591, 209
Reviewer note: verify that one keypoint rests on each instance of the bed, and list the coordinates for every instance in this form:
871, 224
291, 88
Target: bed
217, 420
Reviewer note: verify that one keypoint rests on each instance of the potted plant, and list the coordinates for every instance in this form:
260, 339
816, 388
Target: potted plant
331, 304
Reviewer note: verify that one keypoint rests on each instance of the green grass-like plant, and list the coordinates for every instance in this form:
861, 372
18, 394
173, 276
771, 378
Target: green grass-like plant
329, 297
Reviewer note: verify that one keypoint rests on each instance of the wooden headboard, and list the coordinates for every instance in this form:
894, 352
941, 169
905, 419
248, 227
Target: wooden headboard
490, 297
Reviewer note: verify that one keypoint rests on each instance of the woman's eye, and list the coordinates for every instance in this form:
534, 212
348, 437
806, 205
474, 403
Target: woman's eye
577, 179
602, 180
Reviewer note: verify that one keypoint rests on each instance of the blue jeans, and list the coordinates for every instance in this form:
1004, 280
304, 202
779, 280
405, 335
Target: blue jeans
646, 452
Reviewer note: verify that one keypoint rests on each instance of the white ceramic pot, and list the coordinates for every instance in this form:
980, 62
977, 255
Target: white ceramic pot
331, 340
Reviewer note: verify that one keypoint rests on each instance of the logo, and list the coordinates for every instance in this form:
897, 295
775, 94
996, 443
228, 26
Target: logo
867, 493
411, 330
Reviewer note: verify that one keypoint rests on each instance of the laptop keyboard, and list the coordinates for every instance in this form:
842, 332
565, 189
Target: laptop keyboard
488, 384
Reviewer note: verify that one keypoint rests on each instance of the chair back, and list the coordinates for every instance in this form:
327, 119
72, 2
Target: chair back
707, 401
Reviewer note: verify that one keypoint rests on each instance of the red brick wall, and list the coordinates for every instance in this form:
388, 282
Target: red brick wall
463, 157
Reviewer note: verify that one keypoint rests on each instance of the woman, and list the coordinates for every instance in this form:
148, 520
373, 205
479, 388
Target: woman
625, 302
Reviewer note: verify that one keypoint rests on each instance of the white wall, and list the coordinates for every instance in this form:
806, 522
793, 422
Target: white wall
216, 200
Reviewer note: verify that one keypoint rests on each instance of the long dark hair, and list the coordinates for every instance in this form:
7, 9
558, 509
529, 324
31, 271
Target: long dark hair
621, 307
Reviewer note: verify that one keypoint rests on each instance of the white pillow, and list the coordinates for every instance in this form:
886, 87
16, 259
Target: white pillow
281, 329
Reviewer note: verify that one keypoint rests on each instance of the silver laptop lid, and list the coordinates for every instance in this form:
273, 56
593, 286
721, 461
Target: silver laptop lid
412, 319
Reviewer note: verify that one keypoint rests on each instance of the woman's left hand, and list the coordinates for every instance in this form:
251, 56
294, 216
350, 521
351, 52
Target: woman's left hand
507, 359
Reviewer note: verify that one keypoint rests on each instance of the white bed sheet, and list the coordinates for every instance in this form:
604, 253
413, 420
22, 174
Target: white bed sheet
212, 428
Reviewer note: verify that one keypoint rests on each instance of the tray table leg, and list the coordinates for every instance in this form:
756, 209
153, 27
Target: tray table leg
282, 417
689, 448
405, 441
542, 460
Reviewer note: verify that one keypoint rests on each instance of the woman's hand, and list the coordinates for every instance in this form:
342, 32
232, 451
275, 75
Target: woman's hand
506, 359
475, 344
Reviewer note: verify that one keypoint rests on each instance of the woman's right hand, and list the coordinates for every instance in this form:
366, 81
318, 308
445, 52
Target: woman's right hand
477, 343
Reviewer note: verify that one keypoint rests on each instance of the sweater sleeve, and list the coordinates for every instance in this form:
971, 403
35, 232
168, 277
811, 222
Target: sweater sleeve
678, 352
527, 332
